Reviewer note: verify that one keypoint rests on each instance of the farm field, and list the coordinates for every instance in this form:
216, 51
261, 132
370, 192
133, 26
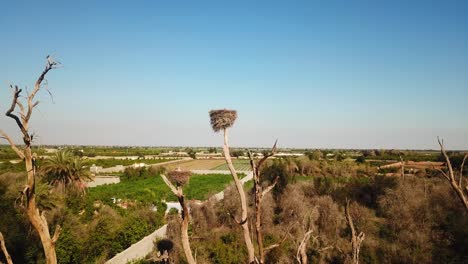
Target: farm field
153, 189
196, 164
239, 164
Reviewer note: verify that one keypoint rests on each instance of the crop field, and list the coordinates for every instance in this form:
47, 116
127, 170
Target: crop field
196, 164
239, 164
153, 189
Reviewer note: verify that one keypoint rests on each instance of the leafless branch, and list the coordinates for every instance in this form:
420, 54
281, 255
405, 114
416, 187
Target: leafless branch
269, 188
460, 183
9, 113
4, 249
58, 230
356, 240
301, 255
12, 144
265, 157
450, 176
177, 192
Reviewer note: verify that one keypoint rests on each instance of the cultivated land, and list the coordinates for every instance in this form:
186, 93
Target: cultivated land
239, 164
196, 164
153, 189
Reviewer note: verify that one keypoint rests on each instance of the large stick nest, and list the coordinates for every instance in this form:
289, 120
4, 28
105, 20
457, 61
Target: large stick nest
222, 119
179, 177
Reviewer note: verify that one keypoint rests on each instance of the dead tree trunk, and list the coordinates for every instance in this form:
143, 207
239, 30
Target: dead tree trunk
356, 239
36, 218
185, 220
457, 186
301, 255
4, 249
244, 222
402, 167
259, 194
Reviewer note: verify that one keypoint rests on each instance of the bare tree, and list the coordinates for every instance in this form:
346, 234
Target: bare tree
4, 249
457, 185
301, 255
259, 193
402, 167
356, 239
36, 218
181, 178
222, 120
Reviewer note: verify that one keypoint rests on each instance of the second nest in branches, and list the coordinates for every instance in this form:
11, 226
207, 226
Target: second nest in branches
222, 119
179, 177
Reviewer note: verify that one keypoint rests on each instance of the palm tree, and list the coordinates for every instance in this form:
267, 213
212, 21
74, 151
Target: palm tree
65, 170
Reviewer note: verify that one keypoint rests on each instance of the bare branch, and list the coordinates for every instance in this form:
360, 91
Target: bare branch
269, 188
4, 249
58, 230
443, 173
447, 159
49, 66
271, 153
301, 255
356, 240
278, 244
460, 183
171, 186
9, 113
12, 144
456, 186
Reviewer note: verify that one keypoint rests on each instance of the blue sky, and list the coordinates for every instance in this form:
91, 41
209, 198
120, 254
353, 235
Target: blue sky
337, 74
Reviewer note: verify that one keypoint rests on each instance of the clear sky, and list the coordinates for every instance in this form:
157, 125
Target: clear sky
336, 74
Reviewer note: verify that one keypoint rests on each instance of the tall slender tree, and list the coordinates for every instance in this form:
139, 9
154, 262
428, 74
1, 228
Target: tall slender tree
22, 118
223, 119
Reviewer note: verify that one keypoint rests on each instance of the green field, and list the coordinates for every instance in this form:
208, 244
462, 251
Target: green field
153, 189
107, 163
239, 164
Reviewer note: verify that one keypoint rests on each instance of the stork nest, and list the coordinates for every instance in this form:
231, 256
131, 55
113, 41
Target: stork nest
179, 177
222, 119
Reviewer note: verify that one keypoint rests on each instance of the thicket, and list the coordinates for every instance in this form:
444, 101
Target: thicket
410, 220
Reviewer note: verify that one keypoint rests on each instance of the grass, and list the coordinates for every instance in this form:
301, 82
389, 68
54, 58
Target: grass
153, 189
239, 164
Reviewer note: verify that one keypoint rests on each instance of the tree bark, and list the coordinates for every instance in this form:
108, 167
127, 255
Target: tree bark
244, 222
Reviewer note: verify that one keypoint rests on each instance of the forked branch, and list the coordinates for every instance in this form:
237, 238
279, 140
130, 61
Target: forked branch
450, 175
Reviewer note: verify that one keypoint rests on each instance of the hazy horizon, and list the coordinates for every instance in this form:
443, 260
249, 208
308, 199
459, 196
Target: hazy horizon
361, 75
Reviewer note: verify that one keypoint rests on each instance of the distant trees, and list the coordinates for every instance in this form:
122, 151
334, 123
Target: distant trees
361, 159
314, 155
22, 119
238, 153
